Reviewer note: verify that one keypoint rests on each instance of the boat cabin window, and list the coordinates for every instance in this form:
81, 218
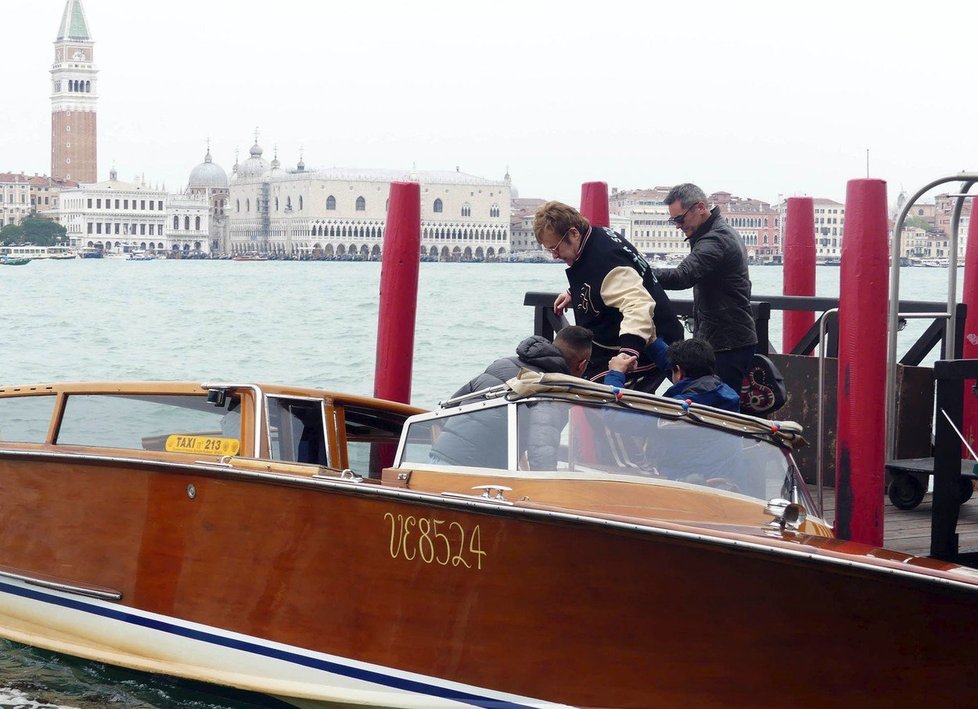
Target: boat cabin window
368, 429
296, 429
631, 442
476, 438
25, 419
180, 423
589, 440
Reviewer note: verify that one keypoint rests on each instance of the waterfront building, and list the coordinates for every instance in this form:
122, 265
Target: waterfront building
15, 198
46, 194
757, 222
830, 219
197, 221
649, 230
523, 241
114, 216
22, 196
642, 217
944, 210
342, 212
647, 223
73, 99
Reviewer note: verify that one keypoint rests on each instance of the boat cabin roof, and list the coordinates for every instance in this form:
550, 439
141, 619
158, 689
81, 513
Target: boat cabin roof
226, 419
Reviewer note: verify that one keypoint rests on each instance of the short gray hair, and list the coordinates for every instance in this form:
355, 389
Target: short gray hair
687, 193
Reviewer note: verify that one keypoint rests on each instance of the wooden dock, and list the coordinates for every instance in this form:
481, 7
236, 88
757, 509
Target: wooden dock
909, 530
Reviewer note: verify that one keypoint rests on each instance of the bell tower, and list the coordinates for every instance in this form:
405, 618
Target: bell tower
73, 99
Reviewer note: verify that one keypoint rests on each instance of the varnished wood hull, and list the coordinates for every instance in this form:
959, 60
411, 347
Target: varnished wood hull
398, 597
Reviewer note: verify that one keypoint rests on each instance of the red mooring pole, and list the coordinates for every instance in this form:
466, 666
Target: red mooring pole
398, 294
863, 302
970, 349
799, 267
594, 203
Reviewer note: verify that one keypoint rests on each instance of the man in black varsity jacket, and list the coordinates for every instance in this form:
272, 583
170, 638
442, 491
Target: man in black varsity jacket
612, 290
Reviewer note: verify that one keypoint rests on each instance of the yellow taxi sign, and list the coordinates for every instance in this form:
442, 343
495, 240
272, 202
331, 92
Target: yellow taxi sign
211, 445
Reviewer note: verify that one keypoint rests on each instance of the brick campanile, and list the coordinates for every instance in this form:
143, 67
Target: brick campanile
73, 97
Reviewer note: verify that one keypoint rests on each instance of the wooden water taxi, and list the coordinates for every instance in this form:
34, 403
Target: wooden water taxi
551, 542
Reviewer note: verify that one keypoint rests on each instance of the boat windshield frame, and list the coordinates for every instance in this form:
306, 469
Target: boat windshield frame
426, 429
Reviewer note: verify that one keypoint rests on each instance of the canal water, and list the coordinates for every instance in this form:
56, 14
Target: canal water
302, 323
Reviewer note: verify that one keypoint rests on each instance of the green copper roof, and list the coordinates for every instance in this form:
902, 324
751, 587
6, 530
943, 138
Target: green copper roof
73, 24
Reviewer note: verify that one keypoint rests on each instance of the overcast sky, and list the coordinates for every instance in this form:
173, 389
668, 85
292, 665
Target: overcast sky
756, 98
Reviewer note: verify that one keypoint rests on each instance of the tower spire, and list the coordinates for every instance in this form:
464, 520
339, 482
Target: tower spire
73, 99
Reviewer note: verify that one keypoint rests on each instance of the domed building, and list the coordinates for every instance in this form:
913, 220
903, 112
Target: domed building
197, 221
254, 167
208, 175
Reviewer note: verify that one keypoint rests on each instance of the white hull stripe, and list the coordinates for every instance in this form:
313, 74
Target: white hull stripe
364, 675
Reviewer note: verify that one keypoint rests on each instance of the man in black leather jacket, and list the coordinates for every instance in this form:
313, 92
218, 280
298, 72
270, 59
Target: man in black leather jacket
716, 270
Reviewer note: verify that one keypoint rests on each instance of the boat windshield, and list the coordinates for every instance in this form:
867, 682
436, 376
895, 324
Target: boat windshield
584, 440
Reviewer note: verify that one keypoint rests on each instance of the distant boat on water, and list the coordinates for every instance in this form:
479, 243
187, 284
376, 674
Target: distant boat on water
34, 252
250, 256
6, 260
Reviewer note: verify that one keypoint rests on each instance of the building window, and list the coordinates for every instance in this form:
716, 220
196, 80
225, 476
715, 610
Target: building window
186, 223
466, 210
361, 204
176, 223
197, 223
494, 210
331, 202
300, 202
437, 207
276, 204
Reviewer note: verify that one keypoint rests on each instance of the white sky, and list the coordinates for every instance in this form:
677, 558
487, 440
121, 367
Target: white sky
756, 98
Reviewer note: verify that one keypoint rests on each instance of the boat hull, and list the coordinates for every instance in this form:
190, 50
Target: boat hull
358, 588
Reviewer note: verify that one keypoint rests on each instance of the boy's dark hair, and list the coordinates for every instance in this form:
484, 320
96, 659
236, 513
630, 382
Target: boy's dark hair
575, 341
694, 355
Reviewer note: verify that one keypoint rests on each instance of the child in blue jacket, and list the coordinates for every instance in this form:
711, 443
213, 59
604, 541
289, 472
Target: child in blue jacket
692, 367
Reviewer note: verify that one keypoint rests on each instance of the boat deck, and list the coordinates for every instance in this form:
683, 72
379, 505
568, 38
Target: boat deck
909, 530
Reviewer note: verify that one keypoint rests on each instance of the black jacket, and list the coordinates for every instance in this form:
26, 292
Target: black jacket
610, 268
716, 269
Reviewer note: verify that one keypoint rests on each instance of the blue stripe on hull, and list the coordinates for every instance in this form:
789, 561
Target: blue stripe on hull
371, 676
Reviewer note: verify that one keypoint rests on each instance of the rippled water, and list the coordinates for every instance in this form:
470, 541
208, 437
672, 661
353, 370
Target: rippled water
303, 323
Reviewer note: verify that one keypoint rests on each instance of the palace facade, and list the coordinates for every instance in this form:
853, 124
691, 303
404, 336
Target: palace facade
342, 212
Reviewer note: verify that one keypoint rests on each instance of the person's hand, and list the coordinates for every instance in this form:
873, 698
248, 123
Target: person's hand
562, 303
622, 362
